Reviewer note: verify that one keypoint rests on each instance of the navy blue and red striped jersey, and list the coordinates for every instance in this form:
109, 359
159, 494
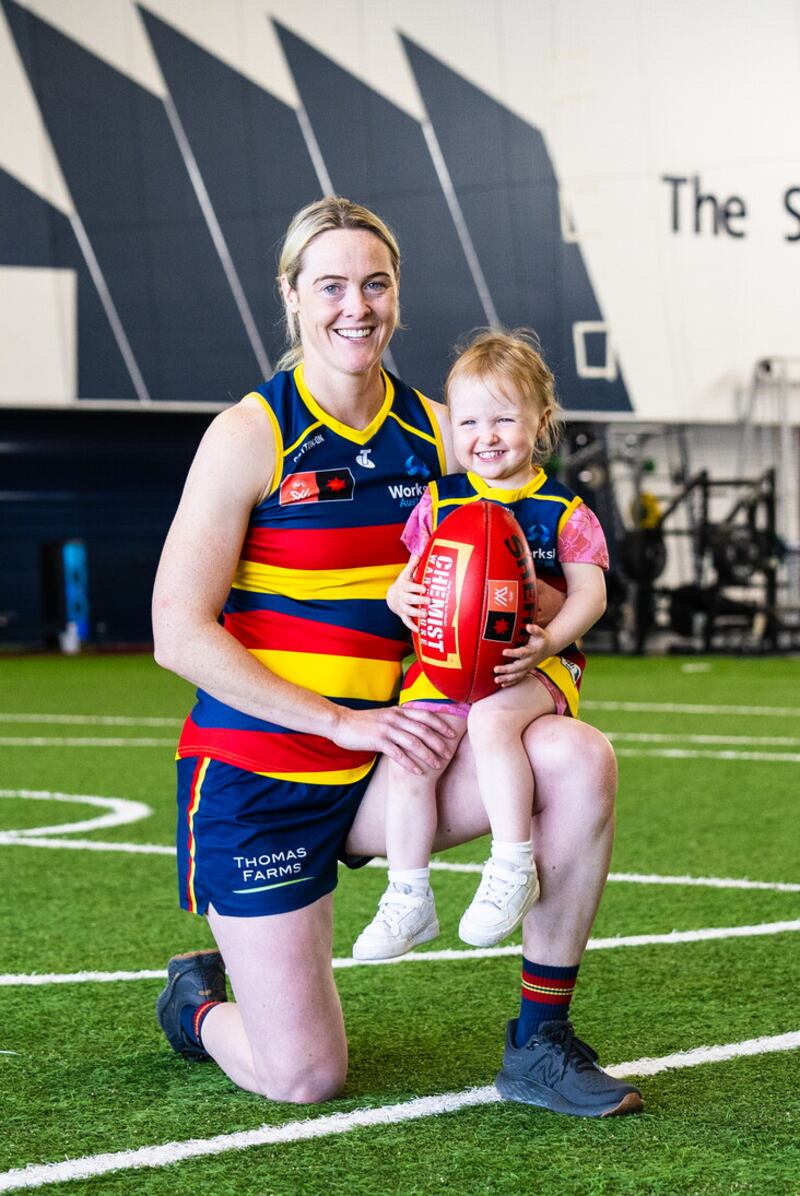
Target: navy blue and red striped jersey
308, 597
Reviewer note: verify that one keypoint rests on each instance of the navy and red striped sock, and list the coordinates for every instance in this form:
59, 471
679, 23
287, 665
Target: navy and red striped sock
192, 1018
546, 996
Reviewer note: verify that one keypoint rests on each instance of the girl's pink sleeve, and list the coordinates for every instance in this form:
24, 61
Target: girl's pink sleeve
419, 526
581, 539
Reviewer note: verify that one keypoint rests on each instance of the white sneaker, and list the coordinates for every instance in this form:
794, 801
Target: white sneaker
404, 920
504, 896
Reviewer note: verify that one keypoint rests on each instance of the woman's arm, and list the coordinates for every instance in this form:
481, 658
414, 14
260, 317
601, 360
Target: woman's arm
229, 475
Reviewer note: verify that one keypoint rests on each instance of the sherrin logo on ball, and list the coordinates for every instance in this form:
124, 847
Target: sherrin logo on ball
480, 583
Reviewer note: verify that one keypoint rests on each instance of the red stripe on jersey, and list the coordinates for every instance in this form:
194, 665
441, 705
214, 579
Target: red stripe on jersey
280, 632
269, 751
325, 548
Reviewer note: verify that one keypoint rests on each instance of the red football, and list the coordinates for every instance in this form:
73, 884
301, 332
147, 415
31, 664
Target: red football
480, 583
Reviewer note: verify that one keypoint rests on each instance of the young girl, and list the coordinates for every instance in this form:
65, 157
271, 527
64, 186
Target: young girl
505, 420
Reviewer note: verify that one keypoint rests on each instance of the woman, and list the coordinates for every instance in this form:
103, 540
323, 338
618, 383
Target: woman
290, 520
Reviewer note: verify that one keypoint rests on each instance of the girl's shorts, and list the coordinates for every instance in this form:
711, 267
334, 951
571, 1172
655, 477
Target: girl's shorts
251, 845
560, 675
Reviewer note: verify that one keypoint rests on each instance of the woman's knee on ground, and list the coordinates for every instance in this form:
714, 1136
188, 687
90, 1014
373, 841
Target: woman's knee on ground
309, 1083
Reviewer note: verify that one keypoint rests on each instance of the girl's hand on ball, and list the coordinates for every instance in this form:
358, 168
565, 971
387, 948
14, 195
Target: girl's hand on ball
523, 660
406, 597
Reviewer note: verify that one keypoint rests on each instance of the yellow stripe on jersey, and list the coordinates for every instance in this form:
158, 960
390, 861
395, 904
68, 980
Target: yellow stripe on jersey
576, 502
560, 675
530, 490
276, 432
421, 690
437, 431
306, 432
304, 585
432, 439
334, 676
356, 435
345, 776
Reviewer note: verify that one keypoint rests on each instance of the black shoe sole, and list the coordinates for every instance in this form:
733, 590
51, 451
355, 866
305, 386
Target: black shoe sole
527, 1093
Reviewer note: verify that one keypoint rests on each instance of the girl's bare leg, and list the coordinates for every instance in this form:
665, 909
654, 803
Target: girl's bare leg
573, 827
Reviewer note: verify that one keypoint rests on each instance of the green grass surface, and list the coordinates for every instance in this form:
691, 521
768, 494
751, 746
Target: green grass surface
91, 1073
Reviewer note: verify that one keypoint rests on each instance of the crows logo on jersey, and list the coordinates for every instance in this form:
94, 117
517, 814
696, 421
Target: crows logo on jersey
323, 485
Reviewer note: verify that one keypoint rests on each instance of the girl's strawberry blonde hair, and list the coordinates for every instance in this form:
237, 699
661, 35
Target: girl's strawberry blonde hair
513, 360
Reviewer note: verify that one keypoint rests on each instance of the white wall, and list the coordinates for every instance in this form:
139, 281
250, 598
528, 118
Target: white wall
624, 93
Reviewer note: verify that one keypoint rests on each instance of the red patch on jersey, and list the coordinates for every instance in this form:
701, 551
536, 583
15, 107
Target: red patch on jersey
321, 485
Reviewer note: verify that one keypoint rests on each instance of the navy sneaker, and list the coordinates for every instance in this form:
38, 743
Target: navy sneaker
192, 979
557, 1071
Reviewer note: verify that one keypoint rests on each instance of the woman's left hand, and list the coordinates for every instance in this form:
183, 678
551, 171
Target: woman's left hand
523, 660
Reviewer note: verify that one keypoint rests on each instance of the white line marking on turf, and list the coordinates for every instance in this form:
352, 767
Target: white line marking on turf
16, 839
766, 1045
689, 754
692, 708
93, 741
608, 944
119, 720
34, 979
742, 740
36, 1175
37, 979
109, 741
705, 882
122, 811
100, 720
635, 878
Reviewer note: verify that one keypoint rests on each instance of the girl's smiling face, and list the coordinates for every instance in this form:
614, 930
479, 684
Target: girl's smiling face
494, 431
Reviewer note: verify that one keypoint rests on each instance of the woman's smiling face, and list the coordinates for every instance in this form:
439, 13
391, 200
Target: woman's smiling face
346, 301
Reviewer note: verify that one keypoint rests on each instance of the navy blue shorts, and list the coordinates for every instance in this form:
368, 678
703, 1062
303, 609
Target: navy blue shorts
251, 845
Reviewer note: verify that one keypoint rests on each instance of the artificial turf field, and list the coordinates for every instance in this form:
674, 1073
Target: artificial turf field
709, 798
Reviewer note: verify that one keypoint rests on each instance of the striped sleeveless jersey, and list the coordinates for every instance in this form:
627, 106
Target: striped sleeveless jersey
308, 598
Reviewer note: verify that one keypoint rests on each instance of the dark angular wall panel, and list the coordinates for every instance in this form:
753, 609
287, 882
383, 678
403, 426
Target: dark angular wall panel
125, 173
508, 191
34, 233
253, 159
376, 154
78, 473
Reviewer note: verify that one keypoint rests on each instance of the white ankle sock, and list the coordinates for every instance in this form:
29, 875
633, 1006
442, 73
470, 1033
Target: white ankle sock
415, 878
520, 854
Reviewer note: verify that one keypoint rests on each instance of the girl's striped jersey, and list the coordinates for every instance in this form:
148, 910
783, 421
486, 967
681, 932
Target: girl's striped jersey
542, 508
320, 552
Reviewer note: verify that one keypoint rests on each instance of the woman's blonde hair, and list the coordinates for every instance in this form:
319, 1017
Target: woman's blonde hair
514, 359
323, 216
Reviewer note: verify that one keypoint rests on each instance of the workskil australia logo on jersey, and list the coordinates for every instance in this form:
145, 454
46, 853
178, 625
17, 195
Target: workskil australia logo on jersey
406, 494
